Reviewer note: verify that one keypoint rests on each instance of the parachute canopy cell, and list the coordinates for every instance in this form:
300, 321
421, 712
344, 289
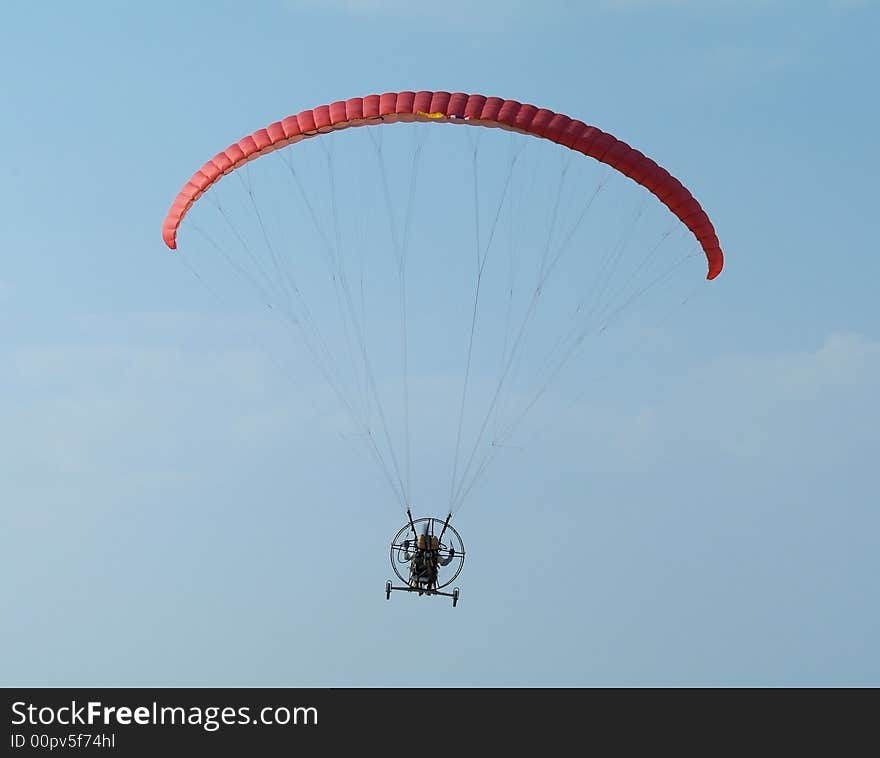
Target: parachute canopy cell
455, 108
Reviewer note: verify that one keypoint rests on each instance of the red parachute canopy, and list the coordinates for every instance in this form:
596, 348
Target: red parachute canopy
444, 107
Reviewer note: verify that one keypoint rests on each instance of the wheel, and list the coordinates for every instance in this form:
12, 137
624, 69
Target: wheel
454, 597
388, 590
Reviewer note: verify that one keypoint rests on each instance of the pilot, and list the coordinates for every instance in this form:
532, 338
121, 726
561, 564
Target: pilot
425, 561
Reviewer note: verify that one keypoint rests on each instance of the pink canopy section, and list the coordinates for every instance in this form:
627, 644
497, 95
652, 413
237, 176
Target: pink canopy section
446, 107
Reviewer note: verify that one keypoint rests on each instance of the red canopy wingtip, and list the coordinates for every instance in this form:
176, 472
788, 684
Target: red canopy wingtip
716, 263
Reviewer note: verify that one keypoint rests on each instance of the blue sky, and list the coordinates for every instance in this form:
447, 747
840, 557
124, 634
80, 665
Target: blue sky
172, 508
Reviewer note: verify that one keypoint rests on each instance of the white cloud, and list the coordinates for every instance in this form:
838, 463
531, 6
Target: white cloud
738, 60
465, 9
852, 3
451, 9
817, 407
95, 421
700, 5
468, 9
